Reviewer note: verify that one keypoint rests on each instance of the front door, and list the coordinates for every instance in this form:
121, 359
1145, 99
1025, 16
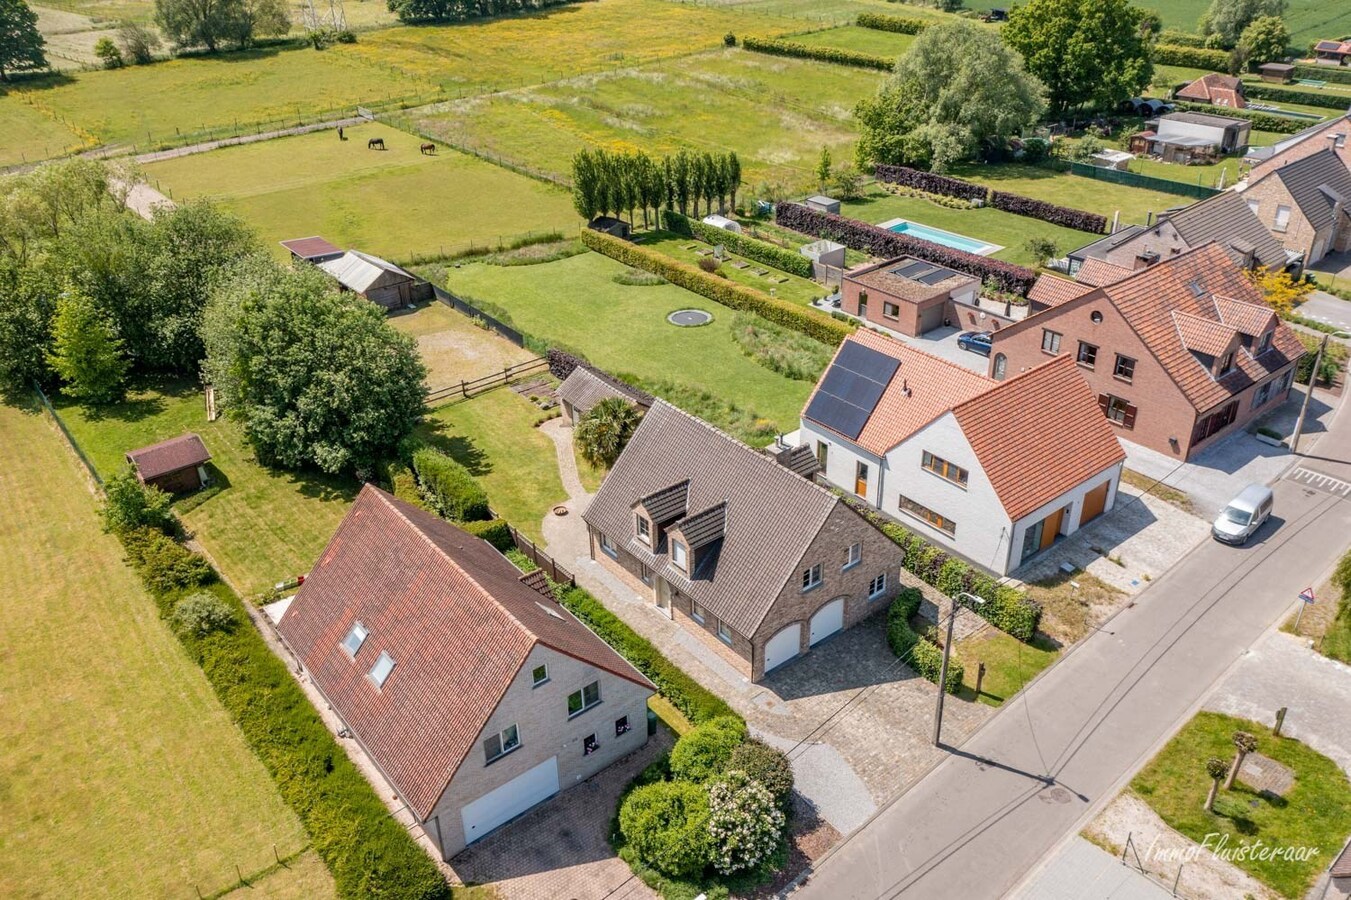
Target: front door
664, 592
1051, 529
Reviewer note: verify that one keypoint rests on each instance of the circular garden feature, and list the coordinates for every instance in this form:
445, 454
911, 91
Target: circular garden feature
690, 318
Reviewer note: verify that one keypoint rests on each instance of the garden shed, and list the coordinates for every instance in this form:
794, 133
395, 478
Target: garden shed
1278, 73
1111, 159
377, 280
177, 465
611, 226
825, 256
311, 250
823, 204
586, 387
722, 222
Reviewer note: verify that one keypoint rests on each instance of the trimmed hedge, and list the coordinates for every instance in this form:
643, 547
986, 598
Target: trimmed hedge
931, 183
495, 531
1260, 91
1190, 57
780, 258
705, 751
1048, 212
1260, 120
897, 24
921, 654
448, 487
811, 322
820, 54
1175, 38
1338, 75
880, 242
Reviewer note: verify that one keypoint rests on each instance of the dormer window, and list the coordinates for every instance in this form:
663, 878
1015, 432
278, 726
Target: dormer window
384, 664
644, 529
1227, 363
1264, 344
680, 556
355, 638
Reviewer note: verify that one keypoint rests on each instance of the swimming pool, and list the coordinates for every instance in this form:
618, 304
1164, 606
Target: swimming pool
939, 236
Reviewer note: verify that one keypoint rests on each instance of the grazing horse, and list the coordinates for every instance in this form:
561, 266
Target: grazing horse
375, 143
429, 148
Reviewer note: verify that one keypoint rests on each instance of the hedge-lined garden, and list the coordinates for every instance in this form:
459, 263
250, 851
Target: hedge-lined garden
820, 54
1260, 120
811, 322
1190, 57
896, 24
931, 183
878, 241
1324, 73
919, 651
780, 258
1259, 91
1017, 204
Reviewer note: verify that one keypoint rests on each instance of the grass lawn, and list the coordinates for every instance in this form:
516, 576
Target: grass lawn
991, 225
859, 40
453, 347
623, 329
1315, 813
1009, 664
122, 774
1101, 197
33, 132
494, 436
264, 526
395, 203
1071, 612
776, 113
796, 288
590, 475
827, 12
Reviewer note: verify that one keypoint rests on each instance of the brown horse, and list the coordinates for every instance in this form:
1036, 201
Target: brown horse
429, 149
375, 144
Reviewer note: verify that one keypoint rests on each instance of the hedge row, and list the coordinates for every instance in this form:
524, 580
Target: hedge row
931, 183
1259, 91
495, 531
1048, 212
897, 24
811, 322
1261, 121
880, 242
920, 653
785, 260
448, 487
1336, 74
1191, 57
821, 54
1173, 38
368, 852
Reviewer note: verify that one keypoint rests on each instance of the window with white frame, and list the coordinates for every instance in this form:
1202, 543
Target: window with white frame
1282, 218
852, 556
877, 587
811, 577
680, 556
384, 664
539, 676
607, 547
1254, 204
580, 701
697, 612
643, 528
499, 745
355, 638
724, 633
1050, 340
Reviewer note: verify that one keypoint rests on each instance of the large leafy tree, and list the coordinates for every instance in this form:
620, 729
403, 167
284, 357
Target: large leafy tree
956, 89
21, 44
1085, 51
1264, 40
198, 23
319, 378
86, 351
1226, 19
27, 304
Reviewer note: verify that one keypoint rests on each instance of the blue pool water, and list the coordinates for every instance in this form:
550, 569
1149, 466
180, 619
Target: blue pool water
939, 236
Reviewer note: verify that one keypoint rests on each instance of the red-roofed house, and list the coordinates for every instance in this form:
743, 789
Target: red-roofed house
1177, 354
993, 470
1215, 89
475, 693
177, 465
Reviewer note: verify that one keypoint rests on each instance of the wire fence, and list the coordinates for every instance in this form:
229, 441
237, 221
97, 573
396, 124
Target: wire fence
1134, 179
70, 438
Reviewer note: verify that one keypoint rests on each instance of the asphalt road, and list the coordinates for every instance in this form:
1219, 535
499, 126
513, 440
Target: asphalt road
1328, 309
985, 816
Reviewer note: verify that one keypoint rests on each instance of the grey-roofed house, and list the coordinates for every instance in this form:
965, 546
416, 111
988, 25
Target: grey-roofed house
585, 387
1305, 204
755, 560
1104, 247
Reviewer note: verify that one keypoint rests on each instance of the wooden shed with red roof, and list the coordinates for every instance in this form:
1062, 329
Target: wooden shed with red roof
177, 465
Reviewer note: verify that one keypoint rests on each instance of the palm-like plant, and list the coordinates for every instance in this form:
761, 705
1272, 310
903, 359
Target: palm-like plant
605, 429
1244, 743
1215, 768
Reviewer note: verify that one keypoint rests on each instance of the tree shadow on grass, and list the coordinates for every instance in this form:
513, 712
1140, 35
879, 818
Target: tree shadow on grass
134, 409
458, 447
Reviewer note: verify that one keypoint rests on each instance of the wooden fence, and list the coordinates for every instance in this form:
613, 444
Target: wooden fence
548, 565
466, 390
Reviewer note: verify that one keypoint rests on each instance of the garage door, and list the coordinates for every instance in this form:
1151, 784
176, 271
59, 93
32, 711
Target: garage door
783, 646
1095, 501
510, 800
828, 620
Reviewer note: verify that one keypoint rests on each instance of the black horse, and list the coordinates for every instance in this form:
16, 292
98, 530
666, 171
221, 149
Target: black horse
375, 144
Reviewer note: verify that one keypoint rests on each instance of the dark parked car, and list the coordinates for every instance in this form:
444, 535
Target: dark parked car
975, 341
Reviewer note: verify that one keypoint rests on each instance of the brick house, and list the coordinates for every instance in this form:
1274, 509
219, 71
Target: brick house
1215, 89
1178, 354
995, 471
755, 560
177, 465
907, 295
1330, 135
1305, 204
472, 690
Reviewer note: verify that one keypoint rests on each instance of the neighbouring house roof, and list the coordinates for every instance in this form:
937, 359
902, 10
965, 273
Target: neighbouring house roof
173, 455
1276, 68
1220, 90
1052, 290
1341, 866
1097, 272
584, 388
1197, 118
459, 621
909, 278
821, 199
1266, 156
801, 459
769, 514
1227, 219
360, 272
311, 248
1317, 183
1342, 48
1038, 434
1099, 248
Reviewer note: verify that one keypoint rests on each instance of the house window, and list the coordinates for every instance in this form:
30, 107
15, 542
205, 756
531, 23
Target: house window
724, 634
1124, 368
1282, 218
1001, 366
1117, 410
697, 612
1254, 204
811, 578
1285, 382
589, 745
822, 454
1227, 364
924, 514
621, 725
645, 574
891, 310
500, 744
1050, 341
644, 529
861, 479
877, 587
852, 556
607, 547
1265, 343
1088, 355
680, 556
580, 701
540, 675
384, 664
863, 304
1214, 422
355, 638
944, 469
1260, 397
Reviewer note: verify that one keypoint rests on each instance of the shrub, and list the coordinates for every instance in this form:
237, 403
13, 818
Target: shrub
1190, 57
1259, 91
561, 363
761, 251
1048, 212
202, 613
1175, 38
706, 749
128, 504
448, 487
920, 653
744, 822
877, 241
1323, 73
110, 53
604, 430
897, 24
930, 183
821, 54
164, 564
667, 825
638, 278
495, 531
767, 765
729, 39
709, 264
810, 322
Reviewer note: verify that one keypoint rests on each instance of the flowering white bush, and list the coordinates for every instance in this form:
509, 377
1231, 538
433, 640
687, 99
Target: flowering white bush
744, 822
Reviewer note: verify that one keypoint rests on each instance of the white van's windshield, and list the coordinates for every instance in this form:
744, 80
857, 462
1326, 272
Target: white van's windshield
1236, 515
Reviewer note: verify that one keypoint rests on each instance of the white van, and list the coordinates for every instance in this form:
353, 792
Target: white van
1244, 515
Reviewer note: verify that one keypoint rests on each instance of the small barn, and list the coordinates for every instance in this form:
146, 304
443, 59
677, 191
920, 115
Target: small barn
311, 250
823, 204
611, 226
1277, 73
585, 387
177, 465
379, 281
723, 223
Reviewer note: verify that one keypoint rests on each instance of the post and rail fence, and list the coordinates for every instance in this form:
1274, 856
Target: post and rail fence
467, 390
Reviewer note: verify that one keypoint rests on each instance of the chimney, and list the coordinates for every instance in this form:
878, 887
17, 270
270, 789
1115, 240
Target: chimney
905, 387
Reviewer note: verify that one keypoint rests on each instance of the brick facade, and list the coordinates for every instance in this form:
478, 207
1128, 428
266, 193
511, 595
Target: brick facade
1266, 197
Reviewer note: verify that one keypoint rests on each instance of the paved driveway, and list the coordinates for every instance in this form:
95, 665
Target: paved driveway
940, 342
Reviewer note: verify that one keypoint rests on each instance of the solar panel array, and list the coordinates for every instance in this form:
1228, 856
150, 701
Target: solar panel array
923, 272
849, 392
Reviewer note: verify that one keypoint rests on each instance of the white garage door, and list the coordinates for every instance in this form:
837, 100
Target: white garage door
783, 646
510, 800
828, 620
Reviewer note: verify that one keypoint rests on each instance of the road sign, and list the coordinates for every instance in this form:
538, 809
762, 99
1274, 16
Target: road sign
1306, 595
1306, 598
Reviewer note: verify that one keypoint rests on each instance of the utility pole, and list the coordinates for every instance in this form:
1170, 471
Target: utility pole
1308, 394
947, 650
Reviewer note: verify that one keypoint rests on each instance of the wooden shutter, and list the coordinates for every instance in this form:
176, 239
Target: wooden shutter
1103, 400
1129, 419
